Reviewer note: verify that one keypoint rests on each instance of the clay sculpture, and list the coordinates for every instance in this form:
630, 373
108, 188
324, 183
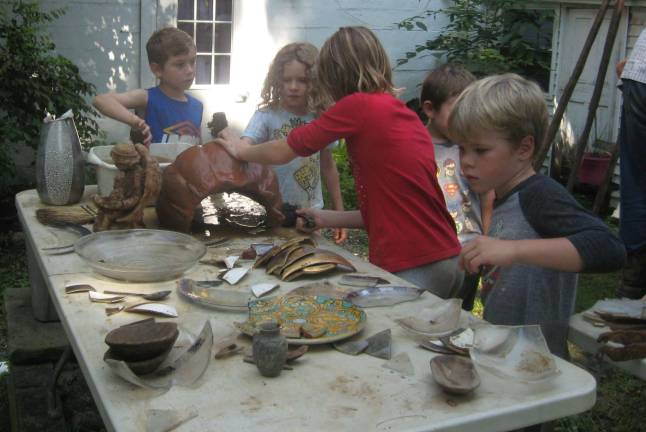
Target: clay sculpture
135, 186
204, 170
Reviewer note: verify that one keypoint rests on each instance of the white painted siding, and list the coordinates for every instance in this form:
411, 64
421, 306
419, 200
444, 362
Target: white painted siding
104, 38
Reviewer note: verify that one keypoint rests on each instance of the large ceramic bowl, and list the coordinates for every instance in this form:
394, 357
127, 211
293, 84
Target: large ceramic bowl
140, 255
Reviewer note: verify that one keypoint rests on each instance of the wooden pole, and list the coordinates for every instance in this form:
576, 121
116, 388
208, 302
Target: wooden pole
596, 94
600, 197
571, 84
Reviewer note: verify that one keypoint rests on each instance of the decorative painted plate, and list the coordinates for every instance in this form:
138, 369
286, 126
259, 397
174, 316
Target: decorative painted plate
329, 319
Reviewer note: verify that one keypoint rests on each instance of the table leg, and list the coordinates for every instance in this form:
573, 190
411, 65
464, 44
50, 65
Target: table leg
54, 408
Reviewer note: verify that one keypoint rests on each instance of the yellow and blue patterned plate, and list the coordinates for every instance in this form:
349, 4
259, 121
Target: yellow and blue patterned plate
339, 318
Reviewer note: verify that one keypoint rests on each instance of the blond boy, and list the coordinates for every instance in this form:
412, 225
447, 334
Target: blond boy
540, 237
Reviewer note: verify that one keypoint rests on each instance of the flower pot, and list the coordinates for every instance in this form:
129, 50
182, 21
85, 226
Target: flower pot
593, 168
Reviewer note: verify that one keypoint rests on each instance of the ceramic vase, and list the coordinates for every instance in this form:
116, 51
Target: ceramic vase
60, 165
269, 349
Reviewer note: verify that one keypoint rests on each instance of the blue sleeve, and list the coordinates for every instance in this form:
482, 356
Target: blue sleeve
258, 128
554, 213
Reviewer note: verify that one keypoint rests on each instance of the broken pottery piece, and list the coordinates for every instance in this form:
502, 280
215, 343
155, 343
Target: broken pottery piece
401, 363
157, 309
439, 319
297, 352
227, 351
261, 248
455, 374
208, 283
362, 280
98, 297
109, 311
234, 275
436, 347
379, 345
141, 367
261, 289
78, 288
158, 420
141, 340
384, 295
353, 347
230, 261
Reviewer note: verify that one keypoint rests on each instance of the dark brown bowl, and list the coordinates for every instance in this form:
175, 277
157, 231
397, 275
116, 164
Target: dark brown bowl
143, 340
141, 367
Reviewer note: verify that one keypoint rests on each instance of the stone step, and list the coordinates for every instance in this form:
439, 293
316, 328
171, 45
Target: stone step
30, 341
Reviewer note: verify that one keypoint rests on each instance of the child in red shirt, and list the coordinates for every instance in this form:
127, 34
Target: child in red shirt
401, 205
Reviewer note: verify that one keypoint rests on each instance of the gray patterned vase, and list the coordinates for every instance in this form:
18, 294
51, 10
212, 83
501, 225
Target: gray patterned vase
269, 349
60, 165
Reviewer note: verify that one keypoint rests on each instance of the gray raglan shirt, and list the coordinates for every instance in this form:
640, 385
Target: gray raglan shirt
539, 208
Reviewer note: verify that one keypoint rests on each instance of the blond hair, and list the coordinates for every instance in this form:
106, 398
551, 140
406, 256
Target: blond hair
506, 104
168, 42
353, 60
304, 53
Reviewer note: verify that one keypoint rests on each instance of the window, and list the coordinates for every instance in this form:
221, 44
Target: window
209, 22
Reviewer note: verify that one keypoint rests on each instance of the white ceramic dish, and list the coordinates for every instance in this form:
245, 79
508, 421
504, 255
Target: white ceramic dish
439, 319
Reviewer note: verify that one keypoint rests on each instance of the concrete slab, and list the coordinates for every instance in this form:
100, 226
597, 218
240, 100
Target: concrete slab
30, 341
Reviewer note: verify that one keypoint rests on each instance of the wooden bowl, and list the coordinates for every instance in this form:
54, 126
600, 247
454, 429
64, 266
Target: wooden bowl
142, 340
455, 374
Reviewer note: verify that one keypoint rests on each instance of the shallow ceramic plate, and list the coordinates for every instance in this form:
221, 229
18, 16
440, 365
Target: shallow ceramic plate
339, 318
383, 296
140, 255
516, 352
217, 298
455, 374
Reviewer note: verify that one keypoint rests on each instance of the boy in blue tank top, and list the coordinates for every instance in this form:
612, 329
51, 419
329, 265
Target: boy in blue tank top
171, 115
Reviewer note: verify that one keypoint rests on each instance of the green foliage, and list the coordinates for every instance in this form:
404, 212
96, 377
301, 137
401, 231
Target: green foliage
34, 79
340, 155
487, 36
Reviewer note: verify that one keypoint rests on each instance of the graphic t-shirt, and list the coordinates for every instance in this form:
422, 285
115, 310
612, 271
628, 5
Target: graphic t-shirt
299, 179
173, 121
462, 203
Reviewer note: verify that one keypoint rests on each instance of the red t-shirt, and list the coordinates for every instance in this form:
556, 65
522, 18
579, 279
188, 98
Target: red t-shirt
394, 169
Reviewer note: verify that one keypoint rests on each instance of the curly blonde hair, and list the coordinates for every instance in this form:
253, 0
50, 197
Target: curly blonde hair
353, 60
304, 53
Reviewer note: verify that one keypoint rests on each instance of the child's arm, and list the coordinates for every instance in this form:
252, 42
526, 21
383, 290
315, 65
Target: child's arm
486, 209
118, 106
329, 219
275, 152
330, 175
556, 253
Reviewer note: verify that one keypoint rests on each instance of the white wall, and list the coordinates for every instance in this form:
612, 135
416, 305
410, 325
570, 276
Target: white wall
104, 39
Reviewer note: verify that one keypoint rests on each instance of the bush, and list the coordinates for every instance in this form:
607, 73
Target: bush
33, 79
487, 36
340, 155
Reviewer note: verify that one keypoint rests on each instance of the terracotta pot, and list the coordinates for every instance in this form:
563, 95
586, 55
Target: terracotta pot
593, 168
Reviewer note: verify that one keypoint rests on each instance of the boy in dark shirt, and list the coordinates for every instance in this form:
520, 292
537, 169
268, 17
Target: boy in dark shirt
539, 236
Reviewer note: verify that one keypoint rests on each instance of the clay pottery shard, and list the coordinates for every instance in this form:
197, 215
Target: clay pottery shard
278, 261
296, 254
142, 340
97, 297
320, 256
264, 259
455, 374
296, 353
313, 269
141, 367
78, 288
152, 308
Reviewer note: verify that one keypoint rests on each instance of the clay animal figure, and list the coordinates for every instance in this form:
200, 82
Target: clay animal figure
208, 169
633, 341
136, 185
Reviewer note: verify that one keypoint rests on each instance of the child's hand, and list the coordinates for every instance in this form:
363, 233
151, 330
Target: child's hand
231, 143
143, 128
340, 235
485, 250
308, 220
